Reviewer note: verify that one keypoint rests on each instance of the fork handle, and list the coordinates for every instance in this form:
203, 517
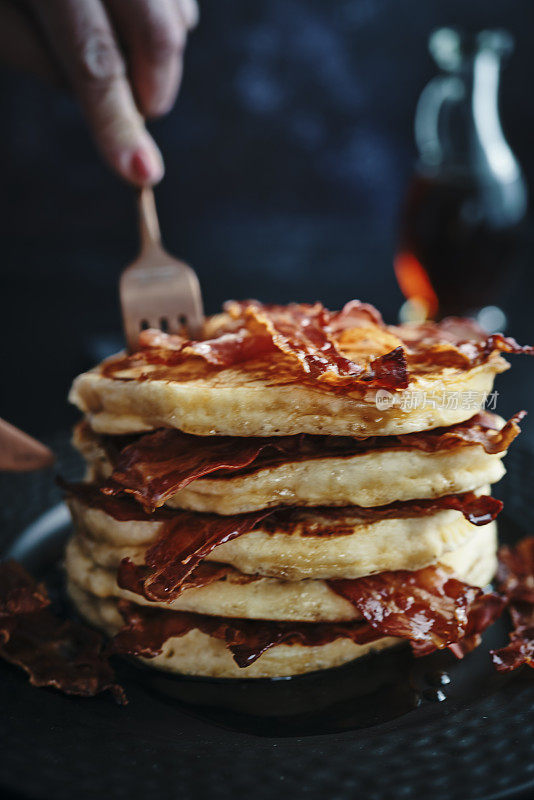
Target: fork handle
149, 232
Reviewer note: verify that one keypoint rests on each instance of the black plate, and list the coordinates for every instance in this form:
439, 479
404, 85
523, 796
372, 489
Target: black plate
374, 730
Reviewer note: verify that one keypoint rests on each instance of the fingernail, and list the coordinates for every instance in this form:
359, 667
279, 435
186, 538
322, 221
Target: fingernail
146, 165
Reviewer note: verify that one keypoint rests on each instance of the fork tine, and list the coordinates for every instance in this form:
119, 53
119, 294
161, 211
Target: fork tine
156, 287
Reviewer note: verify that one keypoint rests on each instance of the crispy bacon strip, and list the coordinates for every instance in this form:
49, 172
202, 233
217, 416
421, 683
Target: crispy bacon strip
134, 577
19, 594
179, 549
480, 429
338, 521
307, 335
146, 630
515, 576
429, 607
354, 314
495, 342
520, 651
159, 464
515, 579
233, 347
121, 507
454, 342
52, 651
304, 334
185, 538
155, 466
321, 520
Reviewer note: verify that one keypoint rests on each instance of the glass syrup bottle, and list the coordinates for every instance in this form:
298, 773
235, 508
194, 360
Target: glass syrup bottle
461, 216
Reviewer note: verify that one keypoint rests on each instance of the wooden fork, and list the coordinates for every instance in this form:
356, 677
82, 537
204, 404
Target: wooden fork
157, 290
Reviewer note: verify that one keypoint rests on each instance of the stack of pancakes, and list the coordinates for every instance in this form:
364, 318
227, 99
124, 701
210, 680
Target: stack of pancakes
290, 493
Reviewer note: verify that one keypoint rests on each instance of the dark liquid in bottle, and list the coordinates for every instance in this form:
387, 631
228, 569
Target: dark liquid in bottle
451, 254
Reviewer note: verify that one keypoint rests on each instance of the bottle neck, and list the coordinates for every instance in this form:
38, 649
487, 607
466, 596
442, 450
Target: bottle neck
471, 139
490, 150
460, 139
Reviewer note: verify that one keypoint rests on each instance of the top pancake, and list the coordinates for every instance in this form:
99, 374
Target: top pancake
446, 380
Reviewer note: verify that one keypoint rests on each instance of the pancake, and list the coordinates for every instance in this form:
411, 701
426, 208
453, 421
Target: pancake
261, 402
273, 370
287, 453
270, 598
199, 654
207, 654
294, 549
370, 478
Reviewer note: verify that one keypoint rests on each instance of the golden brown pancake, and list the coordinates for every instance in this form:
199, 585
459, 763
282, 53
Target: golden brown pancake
272, 598
286, 382
311, 544
370, 478
199, 654
256, 402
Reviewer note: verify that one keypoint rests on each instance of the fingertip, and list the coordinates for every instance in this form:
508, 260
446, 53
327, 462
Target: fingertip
146, 165
142, 166
145, 168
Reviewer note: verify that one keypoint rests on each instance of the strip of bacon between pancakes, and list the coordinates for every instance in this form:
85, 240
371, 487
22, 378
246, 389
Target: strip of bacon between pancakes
297, 489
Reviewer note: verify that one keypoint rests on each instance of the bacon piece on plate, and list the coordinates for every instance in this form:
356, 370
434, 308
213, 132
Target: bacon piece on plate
19, 594
52, 651
515, 579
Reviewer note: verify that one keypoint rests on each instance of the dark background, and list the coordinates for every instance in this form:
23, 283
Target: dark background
287, 157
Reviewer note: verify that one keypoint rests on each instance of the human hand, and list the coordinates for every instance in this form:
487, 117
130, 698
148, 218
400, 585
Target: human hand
121, 58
